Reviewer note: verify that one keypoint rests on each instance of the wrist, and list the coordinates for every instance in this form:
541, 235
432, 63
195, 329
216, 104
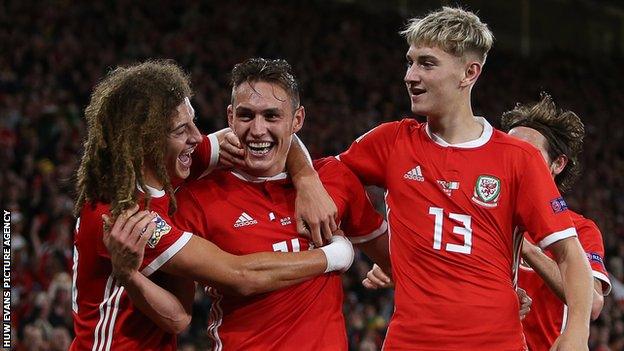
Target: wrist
125, 277
339, 254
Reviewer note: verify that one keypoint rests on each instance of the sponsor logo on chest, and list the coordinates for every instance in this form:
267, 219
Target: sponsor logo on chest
244, 220
487, 191
414, 174
448, 187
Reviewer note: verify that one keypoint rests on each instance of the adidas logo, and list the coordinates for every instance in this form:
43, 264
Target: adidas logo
415, 174
244, 220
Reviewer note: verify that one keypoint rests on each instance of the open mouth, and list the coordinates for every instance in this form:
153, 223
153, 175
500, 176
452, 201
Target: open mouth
416, 91
185, 157
259, 148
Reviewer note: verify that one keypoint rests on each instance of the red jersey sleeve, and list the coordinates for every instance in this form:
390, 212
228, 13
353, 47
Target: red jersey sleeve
189, 215
540, 209
164, 243
205, 156
591, 241
368, 156
358, 218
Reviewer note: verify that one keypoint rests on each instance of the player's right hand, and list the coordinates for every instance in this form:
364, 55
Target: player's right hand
125, 240
525, 302
231, 151
376, 278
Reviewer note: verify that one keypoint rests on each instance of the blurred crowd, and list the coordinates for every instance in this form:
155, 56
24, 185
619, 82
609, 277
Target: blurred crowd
350, 63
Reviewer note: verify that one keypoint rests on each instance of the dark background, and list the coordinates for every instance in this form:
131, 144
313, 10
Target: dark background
350, 62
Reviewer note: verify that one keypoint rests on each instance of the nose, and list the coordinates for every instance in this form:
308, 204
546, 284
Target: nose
195, 136
258, 126
411, 74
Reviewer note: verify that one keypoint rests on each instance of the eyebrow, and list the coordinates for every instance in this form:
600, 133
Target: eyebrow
275, 111
427, 57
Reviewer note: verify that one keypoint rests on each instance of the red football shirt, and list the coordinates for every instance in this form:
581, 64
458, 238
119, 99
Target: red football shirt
244, 214
451, 212
104, 316
546, 320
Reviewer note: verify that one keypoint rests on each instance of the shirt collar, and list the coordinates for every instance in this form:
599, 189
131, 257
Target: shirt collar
480, 141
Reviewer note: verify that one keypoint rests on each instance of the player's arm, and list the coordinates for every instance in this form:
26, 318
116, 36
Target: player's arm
541, 210
576, 283
548, 270
205, 263
168, 306
378, 251
314, 208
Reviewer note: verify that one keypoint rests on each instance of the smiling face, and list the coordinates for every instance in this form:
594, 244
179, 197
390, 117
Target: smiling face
435, 80
181, 142
264, 119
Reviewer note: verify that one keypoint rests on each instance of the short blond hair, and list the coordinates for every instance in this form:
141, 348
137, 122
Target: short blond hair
453, 30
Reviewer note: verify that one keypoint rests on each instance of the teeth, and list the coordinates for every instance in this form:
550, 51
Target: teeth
259, 145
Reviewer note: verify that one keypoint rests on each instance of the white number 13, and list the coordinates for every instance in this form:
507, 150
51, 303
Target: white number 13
464, 231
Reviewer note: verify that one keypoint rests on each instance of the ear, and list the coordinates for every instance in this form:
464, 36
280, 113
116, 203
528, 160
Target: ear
559, 164
472, 71
298, 119
230, 116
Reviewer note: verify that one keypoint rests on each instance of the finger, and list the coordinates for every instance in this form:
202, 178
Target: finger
327, 232
143, 239
121, 220
140, 228
130, 224
332, 224
375, 280
368, 284
232, 149
231, 138
381, 275
315, 231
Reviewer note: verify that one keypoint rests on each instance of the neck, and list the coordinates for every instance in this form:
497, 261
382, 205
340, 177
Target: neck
150, 179
457, 126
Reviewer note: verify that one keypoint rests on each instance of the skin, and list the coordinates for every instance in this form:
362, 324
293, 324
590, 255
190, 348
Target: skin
262, 114
542, 264
239, 275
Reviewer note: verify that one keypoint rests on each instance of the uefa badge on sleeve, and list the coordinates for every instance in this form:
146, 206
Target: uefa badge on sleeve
162, 228
487, 191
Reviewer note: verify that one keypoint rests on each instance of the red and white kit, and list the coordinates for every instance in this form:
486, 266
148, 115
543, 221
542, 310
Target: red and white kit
243, 214
104, 317
547, 318
451, 213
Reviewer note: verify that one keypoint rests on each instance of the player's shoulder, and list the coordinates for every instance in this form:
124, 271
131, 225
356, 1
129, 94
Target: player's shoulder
513, 146
584, 226
90, 219
204, 184
330, 167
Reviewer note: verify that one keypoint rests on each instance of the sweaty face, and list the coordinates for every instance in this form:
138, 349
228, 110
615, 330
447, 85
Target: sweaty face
432, 79
181, 142
263, 118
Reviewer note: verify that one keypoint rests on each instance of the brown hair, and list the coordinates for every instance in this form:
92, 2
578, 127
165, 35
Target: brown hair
563, 130
271, 71
129, 118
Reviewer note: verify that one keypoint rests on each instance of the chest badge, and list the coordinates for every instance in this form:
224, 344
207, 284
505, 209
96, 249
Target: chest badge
487, 191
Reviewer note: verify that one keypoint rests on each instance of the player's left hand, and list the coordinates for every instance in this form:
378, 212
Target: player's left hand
315, 211
125, 240
568, 341
231, 151
525, 302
